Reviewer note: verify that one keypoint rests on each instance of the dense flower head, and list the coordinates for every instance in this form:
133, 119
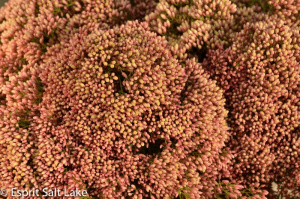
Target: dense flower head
287, 10
190, 24
260, 75
151, 99
123, 117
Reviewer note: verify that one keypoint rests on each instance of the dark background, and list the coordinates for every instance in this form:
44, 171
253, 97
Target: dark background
2, 2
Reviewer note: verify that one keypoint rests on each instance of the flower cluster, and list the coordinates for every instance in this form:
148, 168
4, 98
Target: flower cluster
286, 10
123, 117
260, 76
190, 24
151, 98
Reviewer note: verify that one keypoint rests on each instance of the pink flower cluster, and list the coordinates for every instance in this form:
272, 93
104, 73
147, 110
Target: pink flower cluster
120, 115
260, 76
188, 24
151, 99
285, 9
